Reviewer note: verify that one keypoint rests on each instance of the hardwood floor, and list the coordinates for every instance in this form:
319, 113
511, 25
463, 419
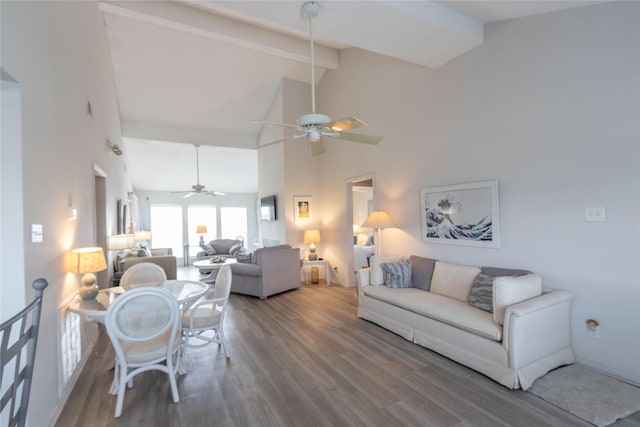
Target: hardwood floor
303, 358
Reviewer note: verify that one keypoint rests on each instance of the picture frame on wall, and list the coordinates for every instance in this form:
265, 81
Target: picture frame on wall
302, 208
461, 214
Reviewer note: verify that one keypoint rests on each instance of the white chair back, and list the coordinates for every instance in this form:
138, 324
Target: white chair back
208, 314
143, 274
143, 325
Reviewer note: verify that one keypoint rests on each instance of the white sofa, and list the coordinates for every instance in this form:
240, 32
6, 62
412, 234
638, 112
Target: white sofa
522, 339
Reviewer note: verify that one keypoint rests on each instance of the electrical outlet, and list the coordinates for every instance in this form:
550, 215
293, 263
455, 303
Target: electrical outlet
594, 332
594, 214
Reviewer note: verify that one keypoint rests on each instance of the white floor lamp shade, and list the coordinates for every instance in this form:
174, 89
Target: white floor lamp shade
378, 220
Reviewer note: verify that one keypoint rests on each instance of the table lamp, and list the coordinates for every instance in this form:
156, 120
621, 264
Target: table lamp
312, 237
88, 261
378, 220
201, 230
142, 236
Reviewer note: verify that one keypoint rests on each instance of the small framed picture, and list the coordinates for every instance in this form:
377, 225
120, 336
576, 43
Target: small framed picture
302, 208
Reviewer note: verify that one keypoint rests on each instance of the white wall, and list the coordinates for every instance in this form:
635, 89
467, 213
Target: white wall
58, 53
549, 107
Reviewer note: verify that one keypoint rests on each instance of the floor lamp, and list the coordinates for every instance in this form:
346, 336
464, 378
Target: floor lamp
378, 220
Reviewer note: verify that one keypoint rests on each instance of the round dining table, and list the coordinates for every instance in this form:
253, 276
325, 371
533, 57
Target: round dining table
186, 292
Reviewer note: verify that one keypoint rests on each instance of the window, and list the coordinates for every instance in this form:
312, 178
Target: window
233, 222
166, 227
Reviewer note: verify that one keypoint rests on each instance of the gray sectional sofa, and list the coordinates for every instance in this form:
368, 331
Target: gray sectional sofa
499, 322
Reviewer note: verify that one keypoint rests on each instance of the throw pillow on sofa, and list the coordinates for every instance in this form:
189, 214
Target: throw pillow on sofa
509, 290
421, 272
376, 275
481, 295
233, 250
453, 280
397, 274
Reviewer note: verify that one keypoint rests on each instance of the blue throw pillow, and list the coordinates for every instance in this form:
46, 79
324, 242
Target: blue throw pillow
397, 274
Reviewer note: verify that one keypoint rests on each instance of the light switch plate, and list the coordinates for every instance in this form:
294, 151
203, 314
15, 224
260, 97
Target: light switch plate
594, 214
36, 233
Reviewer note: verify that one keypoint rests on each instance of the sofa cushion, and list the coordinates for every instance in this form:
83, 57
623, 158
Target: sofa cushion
453, 280
376, 277
421, 272
481, 295
223, 246
397, 274
508, 290
438, 307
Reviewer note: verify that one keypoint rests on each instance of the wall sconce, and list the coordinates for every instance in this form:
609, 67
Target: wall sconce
378, 220
115, 148
312, 237
87, 261
72, 213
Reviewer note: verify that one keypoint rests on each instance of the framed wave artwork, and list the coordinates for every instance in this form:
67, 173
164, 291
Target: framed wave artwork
463, 214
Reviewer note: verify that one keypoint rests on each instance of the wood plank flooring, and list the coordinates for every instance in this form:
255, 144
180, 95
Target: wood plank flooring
303, 358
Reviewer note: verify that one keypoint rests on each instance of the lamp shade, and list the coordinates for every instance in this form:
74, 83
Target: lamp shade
356, 229
118, 242
87, 260
312, 236
201, 229
378, 219
143, 235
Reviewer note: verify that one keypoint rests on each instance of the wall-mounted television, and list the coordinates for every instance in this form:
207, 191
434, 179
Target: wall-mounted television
268, 208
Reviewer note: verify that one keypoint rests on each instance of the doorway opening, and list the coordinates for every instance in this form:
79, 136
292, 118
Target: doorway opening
362, 204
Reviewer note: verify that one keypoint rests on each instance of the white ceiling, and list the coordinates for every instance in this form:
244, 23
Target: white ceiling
201, 71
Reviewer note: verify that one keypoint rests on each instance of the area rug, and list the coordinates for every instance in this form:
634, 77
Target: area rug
587, 394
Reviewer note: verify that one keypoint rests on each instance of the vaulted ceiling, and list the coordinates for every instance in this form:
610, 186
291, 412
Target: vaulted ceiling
198, 72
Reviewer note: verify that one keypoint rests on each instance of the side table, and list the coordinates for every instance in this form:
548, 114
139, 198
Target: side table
321, 262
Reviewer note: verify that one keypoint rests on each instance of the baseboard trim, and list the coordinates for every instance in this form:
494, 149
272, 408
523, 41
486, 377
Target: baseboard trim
621, 375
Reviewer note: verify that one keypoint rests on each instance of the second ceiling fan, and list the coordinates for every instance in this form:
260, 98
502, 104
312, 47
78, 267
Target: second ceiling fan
314, 125
198, 188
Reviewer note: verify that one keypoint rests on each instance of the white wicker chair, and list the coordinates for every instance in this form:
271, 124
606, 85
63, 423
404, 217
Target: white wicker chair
144, 327
208, 315
143, 274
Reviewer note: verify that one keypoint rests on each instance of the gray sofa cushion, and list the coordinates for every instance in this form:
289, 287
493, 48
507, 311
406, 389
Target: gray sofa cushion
421, 271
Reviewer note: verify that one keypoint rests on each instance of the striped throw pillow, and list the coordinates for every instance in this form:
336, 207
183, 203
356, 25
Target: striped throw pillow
397, 274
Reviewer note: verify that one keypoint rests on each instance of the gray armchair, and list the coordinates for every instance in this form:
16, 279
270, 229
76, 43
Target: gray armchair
271, 270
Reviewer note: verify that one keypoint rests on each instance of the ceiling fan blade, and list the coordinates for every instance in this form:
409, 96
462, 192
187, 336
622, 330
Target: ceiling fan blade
186, 196
266, 122
346, 124
213, 193
356, 137
277, 141
316, 147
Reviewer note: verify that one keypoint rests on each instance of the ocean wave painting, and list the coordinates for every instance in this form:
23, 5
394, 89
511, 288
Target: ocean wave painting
464, 214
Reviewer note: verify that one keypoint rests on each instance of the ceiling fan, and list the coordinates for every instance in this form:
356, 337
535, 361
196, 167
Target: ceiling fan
314, 125
199, 189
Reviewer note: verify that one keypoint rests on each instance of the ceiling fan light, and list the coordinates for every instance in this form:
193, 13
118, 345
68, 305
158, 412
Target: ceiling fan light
314, 135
